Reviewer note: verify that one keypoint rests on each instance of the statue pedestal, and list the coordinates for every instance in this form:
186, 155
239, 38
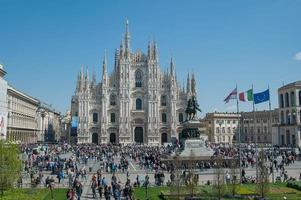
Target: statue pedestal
193, 141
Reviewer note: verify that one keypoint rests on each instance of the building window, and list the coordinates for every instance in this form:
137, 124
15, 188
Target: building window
258, 130
288, 117
223, 130
95, 117
246, 130
234, 121
282, 117
113, 118
265, 129
181, 117
228, 121
228, 130
287, 103
164, 118
138, 104
281, 101
217, 129
293, 98
294, 117
113, 100
163, 100
138, 79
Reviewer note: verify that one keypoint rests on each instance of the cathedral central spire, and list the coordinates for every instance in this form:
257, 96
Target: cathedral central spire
127, 39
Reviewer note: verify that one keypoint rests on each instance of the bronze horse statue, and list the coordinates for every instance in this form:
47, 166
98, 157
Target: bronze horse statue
192, 108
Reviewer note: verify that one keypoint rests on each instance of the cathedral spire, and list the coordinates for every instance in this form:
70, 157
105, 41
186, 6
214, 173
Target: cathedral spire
172, 67
156, 57
104, 69
193, 85
149, 50
188, 85
127, 39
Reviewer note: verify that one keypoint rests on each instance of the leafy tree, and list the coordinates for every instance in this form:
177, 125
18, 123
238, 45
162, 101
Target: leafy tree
234, 172
219, 184
10, 165
263, 175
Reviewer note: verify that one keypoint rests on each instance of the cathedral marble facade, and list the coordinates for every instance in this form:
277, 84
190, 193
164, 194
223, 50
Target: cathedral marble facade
137, 103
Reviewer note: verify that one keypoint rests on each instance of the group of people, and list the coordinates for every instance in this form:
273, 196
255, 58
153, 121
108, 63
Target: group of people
114, 159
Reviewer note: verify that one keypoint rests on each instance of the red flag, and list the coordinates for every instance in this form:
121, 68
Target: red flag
242, 96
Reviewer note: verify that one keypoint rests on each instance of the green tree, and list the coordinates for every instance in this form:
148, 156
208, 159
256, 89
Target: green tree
234, 172
10, 165
263, 175
219, 183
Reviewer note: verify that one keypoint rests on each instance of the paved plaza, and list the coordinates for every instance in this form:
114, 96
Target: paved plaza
134, 169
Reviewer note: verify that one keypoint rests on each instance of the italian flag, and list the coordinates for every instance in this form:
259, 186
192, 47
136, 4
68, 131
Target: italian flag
249, 95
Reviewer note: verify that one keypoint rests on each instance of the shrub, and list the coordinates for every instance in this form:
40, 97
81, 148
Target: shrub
294, 184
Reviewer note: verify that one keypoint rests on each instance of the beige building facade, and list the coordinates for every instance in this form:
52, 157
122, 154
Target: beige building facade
22, 123
220, 126
289, 128
262, 129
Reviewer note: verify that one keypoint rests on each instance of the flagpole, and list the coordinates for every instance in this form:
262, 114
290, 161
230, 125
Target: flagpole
254, 131
270, 130
239, 139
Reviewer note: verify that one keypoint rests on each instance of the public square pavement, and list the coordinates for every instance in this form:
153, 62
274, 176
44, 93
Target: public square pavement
293, 170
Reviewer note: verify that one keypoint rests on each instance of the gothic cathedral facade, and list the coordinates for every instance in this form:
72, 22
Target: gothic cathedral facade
136, 103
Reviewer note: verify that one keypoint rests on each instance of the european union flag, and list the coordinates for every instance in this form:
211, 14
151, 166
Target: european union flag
262, 96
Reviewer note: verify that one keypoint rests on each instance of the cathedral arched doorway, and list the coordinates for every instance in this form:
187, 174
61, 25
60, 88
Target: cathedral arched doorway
163, 138
139, 135
95, 138
113, 138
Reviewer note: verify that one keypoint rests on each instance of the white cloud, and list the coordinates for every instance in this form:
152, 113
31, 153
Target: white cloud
298, 56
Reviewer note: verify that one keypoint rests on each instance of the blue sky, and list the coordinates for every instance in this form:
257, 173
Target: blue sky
44, 43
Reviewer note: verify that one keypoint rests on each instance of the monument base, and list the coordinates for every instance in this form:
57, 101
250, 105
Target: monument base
196, 148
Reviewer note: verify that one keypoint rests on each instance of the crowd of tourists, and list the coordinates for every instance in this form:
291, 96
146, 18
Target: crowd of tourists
114, 159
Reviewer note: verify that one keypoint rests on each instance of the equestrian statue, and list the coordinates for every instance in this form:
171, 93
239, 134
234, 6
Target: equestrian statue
192, 108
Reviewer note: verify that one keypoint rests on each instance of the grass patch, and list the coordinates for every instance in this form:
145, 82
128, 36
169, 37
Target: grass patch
33, 194
277, 192
58, 193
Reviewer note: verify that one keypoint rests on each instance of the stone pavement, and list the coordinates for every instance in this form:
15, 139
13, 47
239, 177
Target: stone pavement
293, 170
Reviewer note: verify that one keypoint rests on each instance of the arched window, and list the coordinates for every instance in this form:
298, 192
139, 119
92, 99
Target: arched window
217, 129
138, 78
113, 100
113, 118
95, 117
138, 104
287, 102
181, 117
294, 117
281, 101
164, 118
163, 100
293, 98
300, 98
282, 117
288, 116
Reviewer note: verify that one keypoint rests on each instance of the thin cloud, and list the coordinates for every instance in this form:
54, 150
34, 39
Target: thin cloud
298, 56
